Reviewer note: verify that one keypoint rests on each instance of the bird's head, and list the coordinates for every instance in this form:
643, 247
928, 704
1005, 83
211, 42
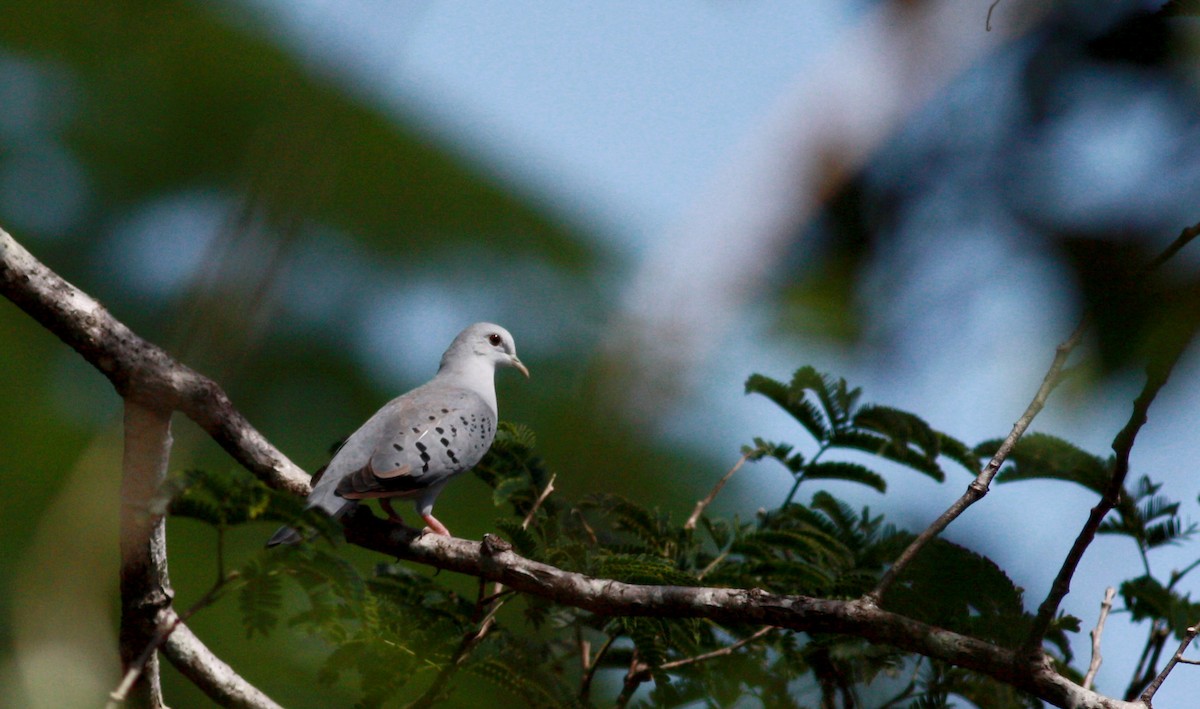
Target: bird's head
487, 341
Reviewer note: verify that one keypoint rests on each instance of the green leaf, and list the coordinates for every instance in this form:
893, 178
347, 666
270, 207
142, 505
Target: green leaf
508, 487
1039, 455
792, 400
886, 448
958, 452
955, 588
902, 428
850, 472
640, 568
522, 539
260, 598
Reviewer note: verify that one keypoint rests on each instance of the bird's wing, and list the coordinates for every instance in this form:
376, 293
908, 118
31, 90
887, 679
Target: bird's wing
431, 434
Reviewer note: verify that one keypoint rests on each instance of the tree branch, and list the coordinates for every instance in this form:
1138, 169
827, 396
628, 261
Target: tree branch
207, 671
1188, 637
145, 586
138, 369
152, 385
1157, 373
1097, 633
712, 495
979, 486
494, 560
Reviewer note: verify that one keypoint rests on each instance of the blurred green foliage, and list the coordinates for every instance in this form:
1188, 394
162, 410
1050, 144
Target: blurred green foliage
115, 106
138, 104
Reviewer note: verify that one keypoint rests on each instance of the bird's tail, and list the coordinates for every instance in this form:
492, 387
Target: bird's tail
323, 498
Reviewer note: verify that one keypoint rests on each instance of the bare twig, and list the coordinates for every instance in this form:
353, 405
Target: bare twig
1157, 373
492, 601
719, 652
1148, 662
988, 25
486, 607
712, 565
162, 635
979, 486
538, 502
1185, 237
1177, 658
1096, 634
589, 673
639, 671
690, 524
586, 527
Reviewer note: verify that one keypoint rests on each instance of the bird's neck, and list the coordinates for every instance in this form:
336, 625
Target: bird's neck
477, 375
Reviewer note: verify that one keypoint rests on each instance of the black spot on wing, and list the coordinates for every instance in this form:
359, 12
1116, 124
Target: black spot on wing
424, 457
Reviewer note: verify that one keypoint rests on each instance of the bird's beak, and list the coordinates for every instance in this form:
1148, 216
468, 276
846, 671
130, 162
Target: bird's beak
520, 366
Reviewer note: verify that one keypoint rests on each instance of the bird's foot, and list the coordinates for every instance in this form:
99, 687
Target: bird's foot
435, 526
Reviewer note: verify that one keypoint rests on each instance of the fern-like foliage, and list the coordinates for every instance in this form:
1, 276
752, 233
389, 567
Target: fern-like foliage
831, 412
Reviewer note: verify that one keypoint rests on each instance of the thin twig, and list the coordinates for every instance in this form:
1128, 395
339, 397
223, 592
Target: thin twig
719, 652
1096, 633
979, 486
712, 565
586, 527
1155, 641
639, 671
633, 679
1188, 637
538, 502
585, 685
1157, 374
988, 24
470, 640
690, 524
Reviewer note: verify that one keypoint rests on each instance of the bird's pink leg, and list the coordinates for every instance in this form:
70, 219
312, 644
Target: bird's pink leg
435, 526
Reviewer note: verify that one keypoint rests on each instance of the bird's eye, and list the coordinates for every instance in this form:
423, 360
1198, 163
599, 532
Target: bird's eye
495, 339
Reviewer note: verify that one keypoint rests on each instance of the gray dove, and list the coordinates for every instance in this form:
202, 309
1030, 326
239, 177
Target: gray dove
417, 442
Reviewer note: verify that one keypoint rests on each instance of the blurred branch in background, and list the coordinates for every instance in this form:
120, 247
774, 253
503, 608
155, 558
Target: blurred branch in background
822, 133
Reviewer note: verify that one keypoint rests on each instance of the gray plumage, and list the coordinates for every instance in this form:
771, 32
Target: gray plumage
417, 442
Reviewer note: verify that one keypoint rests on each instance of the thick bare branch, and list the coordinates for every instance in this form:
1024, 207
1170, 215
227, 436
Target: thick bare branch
139, 370
494, 560
145, 586
215, 678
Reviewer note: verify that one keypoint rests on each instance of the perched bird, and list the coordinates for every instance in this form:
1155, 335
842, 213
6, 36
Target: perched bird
417, 442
